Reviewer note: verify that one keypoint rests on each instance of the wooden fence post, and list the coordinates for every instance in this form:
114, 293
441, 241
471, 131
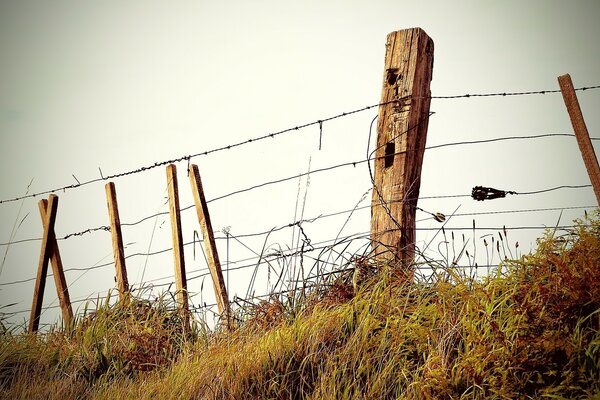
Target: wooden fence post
180, 277
46, 250
60, 281
209, 243
402, 133
581, 132
117, 239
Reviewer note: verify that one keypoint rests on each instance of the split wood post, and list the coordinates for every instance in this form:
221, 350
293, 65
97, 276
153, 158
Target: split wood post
180, 277
60, 281
209, 244
46, 251
581, 132
402, 133
117, 239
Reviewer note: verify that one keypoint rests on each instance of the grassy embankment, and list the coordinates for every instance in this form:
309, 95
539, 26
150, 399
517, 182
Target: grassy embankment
532, 331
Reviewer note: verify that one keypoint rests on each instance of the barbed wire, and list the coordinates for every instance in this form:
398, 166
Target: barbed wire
341, 165
354, 163
295, 252
106, 228
318, 122
508, 94
296, 176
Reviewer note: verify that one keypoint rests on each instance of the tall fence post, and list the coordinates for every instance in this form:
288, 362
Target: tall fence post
117, 239
45, 252
581, 133
60, 281
402, 133
209, 244
180, 277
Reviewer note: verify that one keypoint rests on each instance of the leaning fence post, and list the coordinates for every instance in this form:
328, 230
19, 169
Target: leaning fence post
45, 253
209, 243
581, 132
117, 239
180, 277
60, 281
402, 132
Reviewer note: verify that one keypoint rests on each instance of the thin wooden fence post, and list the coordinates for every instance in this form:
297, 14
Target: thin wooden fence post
402, 133
180, 277
581, 133
45, 252
209, 244
117, 240
60, 281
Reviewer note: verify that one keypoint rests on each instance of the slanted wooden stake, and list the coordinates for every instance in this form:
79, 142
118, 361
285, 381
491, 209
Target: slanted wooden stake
117, 239
46, 250
209, 244
57, 270
581, 132
402, 132
180, 277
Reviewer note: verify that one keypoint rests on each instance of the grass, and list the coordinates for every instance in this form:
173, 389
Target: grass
531, 330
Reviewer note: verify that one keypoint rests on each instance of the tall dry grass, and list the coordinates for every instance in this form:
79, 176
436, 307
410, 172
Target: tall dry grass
531, 330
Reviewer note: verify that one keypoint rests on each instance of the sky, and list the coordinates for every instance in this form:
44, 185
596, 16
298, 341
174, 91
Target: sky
108, 87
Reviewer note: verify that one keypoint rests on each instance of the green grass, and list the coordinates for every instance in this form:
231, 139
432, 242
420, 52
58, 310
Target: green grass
532, 330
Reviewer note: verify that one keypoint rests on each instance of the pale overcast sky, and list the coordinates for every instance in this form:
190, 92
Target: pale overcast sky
118, 85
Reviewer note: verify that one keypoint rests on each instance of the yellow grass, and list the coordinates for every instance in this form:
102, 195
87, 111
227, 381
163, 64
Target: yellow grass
530, 331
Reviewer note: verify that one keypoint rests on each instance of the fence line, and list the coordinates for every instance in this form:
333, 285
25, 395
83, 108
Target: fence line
301, 250
107, 229
450, 229
295, 252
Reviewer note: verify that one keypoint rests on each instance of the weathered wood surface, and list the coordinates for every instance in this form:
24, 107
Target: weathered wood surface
402, 133
60, 281
209, 244
45, 252
117, 239
581, 132
180, 276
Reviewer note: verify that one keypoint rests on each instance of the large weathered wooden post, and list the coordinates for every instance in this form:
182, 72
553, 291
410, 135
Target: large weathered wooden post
402, 132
